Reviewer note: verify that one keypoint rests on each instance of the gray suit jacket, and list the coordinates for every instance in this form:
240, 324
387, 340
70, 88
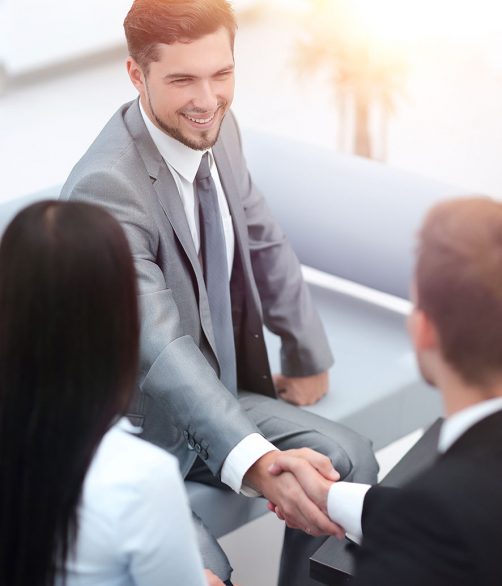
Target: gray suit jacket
181, 404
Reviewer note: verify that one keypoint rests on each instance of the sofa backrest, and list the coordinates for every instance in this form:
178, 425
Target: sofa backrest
344, 215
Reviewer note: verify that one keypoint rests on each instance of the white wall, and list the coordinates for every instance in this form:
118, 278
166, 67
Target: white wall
37, 33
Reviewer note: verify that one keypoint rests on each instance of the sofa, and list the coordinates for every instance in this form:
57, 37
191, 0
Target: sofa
352, 223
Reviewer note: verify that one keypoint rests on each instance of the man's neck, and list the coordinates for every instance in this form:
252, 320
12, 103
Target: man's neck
459, 395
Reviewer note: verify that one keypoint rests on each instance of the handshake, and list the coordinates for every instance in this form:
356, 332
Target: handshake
296, 484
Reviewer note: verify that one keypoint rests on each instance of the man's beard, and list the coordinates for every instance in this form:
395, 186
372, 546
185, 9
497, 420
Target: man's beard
203, 143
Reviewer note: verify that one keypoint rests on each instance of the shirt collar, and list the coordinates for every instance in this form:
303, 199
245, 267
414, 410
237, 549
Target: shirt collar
458, 423
184, 160
125, 424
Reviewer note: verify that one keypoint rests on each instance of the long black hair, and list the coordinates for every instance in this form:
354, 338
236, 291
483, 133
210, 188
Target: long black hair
68, 360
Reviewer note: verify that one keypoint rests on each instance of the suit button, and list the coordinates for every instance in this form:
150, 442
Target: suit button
198, 449
204, 455
191, 443
256, 336
264, 376
186, 435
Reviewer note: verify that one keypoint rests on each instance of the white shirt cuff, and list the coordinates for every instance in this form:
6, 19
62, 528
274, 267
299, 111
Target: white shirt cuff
345, 507
241, 458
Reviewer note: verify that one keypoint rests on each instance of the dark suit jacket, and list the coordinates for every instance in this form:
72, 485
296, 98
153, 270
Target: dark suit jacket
444, 528
182, 405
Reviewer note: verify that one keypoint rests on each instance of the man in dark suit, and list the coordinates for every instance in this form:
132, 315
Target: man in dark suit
213, 267
444, 527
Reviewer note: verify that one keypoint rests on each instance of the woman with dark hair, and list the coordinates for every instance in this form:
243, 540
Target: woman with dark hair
81, 500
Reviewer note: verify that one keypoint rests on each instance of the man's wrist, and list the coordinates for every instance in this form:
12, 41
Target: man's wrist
323, 495
240, 459
258, 472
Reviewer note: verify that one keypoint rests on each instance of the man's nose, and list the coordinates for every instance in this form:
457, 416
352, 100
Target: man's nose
205, 98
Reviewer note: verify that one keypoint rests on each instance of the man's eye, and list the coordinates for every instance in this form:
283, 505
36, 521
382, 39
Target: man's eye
181, 81
224, 74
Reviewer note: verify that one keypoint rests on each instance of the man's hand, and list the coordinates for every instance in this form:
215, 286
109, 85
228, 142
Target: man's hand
287, 494
302, 390
302, 463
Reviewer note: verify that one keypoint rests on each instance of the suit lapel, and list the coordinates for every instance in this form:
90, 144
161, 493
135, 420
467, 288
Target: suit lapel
167, 193
170, 201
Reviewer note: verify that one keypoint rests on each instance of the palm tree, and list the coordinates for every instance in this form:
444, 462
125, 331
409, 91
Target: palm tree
366, 75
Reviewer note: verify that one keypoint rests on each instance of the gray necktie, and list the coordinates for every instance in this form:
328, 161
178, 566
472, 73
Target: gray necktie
214, 255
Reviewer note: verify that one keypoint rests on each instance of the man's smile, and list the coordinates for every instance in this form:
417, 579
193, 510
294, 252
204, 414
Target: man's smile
201, 122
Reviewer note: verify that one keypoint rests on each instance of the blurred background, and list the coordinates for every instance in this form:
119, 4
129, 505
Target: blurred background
416, 84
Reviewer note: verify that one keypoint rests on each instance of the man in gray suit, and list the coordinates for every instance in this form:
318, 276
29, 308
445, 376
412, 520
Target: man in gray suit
207, 286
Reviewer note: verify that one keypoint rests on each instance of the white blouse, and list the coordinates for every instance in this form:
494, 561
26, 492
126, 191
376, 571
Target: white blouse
135, 525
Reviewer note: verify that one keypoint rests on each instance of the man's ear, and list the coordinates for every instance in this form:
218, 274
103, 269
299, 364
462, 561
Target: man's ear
423, 332
135, 74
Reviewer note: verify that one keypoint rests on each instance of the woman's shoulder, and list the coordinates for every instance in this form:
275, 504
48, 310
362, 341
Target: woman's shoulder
124, 459
132, 498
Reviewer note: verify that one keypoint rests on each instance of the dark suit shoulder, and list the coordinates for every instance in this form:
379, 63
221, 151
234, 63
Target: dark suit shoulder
411, 539
450, 516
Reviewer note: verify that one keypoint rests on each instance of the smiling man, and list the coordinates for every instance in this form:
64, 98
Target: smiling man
213, 268
188, 89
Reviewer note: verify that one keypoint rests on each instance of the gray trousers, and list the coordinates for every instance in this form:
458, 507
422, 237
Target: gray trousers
288, 427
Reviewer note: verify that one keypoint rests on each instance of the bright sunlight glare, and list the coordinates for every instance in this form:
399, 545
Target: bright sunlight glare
412, 20
401, 20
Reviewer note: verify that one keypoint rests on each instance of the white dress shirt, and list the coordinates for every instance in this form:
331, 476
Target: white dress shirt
183, 162
135, 525
346, 499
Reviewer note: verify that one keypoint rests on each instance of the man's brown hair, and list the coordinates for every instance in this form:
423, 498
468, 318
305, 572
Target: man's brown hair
150, 22
459, 284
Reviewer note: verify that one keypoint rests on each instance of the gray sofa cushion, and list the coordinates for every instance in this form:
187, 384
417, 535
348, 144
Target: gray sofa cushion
375, 387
